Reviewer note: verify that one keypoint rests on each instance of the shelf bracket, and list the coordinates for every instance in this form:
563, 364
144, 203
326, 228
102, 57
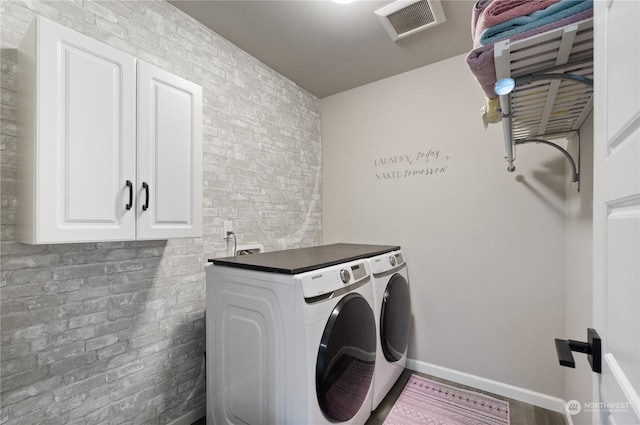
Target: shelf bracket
576, 172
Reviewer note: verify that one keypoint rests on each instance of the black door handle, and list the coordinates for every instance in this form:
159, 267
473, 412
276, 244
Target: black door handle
130, 186
592, 348
145, 186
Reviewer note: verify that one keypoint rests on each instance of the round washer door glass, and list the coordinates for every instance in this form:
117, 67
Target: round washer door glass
346, 359
395, 318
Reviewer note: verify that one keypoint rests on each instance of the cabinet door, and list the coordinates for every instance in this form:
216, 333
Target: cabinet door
169, 155
82, 141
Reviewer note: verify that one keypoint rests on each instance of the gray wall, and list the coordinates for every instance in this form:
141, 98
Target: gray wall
484, 248
107, 333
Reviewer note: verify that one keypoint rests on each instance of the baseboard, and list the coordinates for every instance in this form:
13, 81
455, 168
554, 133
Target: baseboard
190, 417
495, 387
567, 415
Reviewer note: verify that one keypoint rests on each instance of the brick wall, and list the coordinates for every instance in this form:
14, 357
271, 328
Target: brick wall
113, 333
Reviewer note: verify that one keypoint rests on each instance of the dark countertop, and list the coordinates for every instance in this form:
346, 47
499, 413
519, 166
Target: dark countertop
300, 260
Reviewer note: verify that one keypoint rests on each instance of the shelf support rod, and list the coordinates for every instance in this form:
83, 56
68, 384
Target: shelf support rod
505, 113
528, 79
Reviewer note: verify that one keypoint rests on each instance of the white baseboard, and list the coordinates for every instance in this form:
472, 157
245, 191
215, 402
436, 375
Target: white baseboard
190, 417
495, 387
568, 416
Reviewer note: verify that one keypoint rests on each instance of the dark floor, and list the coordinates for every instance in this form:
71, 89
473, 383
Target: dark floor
520, 413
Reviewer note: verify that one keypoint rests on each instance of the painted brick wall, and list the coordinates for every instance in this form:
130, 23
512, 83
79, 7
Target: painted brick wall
113, 333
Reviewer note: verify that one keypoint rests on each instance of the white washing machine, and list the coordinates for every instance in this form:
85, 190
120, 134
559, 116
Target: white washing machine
392, 309
291, 337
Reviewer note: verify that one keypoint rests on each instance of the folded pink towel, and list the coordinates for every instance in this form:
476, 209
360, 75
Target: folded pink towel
499, 11
478, 8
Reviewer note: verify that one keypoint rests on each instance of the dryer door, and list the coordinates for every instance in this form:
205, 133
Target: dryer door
395, 318
346, 359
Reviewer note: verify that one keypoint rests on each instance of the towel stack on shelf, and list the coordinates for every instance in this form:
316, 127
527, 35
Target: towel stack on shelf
496, 20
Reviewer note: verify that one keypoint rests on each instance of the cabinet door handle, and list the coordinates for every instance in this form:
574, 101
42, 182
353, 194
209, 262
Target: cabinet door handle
130, 186
145, 186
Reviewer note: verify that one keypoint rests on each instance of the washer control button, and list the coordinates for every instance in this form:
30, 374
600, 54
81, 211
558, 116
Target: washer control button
392, 260
344, 275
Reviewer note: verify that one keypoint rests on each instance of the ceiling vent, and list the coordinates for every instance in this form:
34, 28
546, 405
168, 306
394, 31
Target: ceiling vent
403, 18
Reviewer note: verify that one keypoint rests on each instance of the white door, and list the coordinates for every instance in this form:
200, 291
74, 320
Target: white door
617, 211
85, 138
169, 155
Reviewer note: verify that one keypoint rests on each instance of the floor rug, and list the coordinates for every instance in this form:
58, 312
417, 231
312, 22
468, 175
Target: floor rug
426, 402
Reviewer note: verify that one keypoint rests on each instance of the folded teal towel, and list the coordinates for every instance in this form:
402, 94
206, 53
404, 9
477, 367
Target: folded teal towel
514, 26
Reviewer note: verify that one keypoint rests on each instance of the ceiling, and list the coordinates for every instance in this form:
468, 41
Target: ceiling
327, 48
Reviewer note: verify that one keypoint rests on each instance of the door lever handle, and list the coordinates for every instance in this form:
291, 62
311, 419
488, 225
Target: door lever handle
592, 348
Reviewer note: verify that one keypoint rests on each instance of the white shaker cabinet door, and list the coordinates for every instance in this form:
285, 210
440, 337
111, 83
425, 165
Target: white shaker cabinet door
78, 142
169, 155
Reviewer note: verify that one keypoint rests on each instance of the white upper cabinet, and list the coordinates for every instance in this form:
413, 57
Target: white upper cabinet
169, 155
78, 138
79, 157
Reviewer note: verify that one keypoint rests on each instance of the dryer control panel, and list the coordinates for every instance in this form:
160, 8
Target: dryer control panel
325, 281
386, 262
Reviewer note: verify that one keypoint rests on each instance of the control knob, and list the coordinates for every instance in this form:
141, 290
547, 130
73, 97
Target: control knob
392, 261
344, 275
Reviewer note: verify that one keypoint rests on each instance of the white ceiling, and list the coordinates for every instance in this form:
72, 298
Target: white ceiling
327, 48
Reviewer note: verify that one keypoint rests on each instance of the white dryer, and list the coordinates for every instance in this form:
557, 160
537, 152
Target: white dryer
291, 337
392, 308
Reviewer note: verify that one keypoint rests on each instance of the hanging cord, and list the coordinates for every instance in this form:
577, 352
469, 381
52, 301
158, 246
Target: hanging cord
235, 241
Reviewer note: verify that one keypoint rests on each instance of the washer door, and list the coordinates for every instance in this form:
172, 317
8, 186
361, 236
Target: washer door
395, 318
346, 359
